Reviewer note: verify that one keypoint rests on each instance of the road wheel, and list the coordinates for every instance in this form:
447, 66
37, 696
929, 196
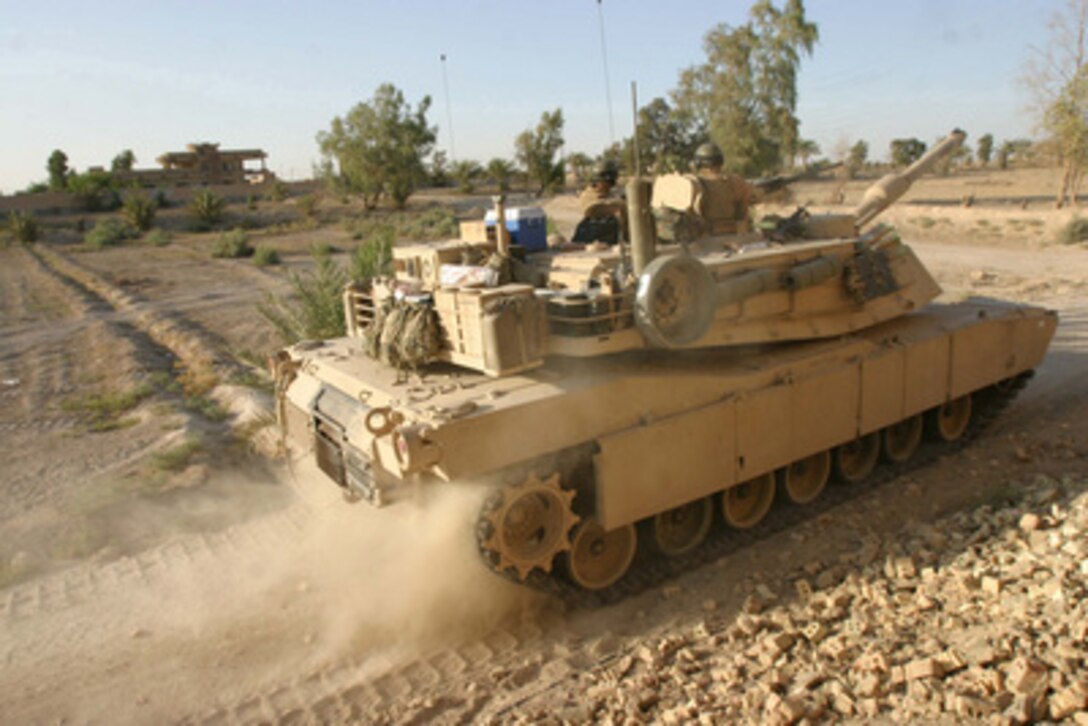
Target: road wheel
597, 558
804, 480
856, 459
682, 529
901, 439
746, 504
950, 420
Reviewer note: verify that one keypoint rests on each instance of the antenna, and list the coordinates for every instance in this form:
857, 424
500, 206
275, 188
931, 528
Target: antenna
449, 110
607, 85
634, 120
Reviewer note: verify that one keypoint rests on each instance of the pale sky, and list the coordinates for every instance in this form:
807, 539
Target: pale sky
93, 78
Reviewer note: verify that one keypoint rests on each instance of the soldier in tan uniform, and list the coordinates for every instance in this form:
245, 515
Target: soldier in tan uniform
724, 199
604, 217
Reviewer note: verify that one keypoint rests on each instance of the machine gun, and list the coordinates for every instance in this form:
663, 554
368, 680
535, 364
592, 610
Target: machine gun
773, 183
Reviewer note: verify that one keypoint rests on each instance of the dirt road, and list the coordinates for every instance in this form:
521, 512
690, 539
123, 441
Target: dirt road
325, 612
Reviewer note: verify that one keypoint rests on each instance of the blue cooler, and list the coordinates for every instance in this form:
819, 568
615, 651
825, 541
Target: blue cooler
528, 227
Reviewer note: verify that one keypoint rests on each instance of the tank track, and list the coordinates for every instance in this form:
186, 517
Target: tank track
651, 570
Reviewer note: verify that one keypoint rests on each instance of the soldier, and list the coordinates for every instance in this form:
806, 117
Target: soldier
604, 217
725, 199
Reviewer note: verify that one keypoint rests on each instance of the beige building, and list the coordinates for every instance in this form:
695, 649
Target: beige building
203, 164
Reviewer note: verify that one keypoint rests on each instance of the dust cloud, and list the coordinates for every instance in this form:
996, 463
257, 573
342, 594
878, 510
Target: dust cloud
376, 585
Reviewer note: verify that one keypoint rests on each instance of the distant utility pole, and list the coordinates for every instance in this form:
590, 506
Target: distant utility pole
449, 109
607, 85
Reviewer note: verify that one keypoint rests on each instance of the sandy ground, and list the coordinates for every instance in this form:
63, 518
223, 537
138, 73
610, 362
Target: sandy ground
257, 595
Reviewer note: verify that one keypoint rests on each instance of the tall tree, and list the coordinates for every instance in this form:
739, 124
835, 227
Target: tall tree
745, 94
123, 161
58, 170
537, 149
907, 151
500, 171
985, 149
807, 149
857, 156
378, 148
667, 138
1057, 77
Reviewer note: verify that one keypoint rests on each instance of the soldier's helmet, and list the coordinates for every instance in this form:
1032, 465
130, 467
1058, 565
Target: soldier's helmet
606, 171
708, 156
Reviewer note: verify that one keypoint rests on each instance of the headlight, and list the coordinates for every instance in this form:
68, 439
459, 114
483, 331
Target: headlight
413, 450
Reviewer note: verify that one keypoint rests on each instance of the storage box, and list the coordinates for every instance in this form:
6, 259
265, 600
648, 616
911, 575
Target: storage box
528, 227
497, 331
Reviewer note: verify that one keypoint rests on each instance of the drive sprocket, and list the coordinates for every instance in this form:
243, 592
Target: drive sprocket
522, 528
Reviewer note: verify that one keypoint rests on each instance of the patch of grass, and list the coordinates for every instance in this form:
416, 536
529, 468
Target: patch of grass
923, 222
251, 428
982, 222
253, 379
179, 457
105, 410
265, 256
157, 238
206, 407
1074, 232
322, 249
113, 424
232, 245
195, 380
253, 358
109, 232
431, 224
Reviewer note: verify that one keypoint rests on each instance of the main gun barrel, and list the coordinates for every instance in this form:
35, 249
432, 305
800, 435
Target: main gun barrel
891, 187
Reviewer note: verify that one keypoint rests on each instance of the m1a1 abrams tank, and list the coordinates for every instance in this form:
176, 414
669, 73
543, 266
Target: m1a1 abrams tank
651, 396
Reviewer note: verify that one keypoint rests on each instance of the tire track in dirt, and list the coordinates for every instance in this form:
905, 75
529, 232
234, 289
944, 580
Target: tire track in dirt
193, 346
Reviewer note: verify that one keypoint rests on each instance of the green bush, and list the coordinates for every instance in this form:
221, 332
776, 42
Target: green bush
108, 232
139, 211
251, 202
95, 190
308, 205
24, 226
161, 200
157, 238
374, 257
278, 192
265, 256
208, 207
1074, 232
232, 244
315, 309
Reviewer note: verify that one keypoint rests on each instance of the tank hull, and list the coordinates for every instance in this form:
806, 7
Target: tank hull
655, 431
